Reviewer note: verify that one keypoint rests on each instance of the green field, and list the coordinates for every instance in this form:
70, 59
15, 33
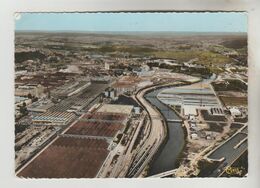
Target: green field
204, 57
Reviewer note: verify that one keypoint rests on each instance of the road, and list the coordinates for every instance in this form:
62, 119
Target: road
156, 136
164, 174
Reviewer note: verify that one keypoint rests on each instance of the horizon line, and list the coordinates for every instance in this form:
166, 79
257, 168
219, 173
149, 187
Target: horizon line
88, 31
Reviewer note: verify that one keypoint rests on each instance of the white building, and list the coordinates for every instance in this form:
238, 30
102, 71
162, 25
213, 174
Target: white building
235, 112
194, 136
107, 66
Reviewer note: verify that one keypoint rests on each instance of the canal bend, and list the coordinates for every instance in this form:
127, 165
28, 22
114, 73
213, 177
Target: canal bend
169, 152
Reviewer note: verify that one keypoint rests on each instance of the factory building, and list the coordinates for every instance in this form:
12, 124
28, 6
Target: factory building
217, 111
111, 93
100, 80
40, 106
33, 89
53, 118
122, 88
126, 84
70, 89
191, 99
117, 109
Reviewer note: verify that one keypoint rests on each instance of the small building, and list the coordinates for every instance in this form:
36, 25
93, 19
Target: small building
20, 100
190, 110
235, 112
192, 117
216, 111
126, 84
194, 136
100, 80
209, 137
193, 125
111, 93
107, 66
137, 110
124, 88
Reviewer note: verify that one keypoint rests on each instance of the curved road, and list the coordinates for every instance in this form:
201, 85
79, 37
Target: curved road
155, 138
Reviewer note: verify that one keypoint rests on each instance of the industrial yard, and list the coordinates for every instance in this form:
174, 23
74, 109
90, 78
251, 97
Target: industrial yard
130, 105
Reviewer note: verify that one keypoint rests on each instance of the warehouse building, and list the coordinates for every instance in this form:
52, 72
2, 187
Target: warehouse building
117, 109
191, 99
36, 90
53, 118
40, 106
70, 89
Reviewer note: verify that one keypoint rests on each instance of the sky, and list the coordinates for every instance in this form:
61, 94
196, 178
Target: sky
154, 22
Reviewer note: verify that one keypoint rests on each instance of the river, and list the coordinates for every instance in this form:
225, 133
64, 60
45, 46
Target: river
169, 152
167, 157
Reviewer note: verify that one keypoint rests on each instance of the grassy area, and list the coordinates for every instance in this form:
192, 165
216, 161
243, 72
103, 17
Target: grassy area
236, 43
134, 50
206, 168
58, 65
23, 56
234, 101
230, 85
216, 127
204, 57
20, 128
216, 70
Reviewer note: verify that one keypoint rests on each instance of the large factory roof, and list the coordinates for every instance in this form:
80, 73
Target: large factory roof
114, 108
68, 157
54, 118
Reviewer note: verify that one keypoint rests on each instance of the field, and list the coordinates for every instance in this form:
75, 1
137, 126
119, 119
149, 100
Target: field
68, 158
230, 85
216, 127
204, 57
233, 101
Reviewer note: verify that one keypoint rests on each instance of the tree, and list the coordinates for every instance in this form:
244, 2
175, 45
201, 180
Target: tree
30, 96
34, 99
23, 110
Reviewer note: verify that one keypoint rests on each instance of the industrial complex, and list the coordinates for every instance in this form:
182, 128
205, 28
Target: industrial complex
129, 106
